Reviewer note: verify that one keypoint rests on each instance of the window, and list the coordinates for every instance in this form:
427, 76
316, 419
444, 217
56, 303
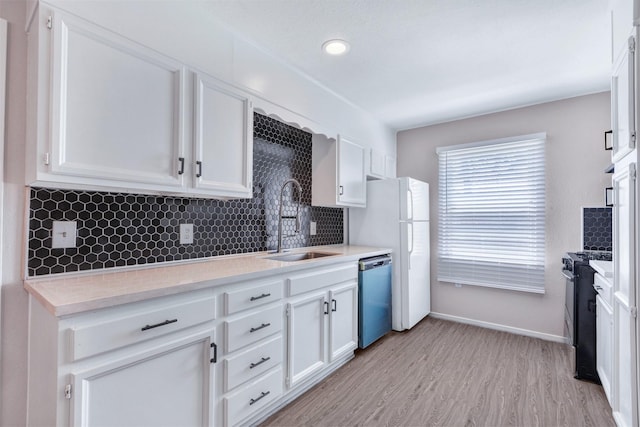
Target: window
492, 213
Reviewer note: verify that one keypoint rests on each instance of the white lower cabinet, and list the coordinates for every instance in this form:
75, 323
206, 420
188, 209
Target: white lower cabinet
143, 363
166, 386
604, 344
343, 320
253, 351
214, 357
322, 320
253, 397
307, 328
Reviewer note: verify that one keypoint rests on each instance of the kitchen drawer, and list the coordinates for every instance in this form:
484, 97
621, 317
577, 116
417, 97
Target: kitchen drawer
251, 363
117, 327
253, 397
604, 288
246, 330
318, 279
256, 296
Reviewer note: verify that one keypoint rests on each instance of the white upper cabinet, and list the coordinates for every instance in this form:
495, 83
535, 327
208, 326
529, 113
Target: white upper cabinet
623, 103
622, 16
381, 165
389, 167
338, 178
112, 114
376, 164
352, 185
223, 139
116, 107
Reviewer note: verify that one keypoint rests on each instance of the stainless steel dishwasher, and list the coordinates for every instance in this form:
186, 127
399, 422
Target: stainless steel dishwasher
374, 301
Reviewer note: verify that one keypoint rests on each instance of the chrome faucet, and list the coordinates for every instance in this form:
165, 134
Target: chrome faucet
281, 217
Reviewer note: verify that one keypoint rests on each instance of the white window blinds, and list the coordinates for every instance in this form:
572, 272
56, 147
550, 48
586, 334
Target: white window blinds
492, 213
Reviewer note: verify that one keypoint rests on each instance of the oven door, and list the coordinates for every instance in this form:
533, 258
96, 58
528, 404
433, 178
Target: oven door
569, 306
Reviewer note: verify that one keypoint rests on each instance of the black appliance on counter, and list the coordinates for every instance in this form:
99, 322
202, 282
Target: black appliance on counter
580, 310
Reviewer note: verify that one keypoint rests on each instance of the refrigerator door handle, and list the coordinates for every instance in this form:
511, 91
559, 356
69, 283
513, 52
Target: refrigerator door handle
410, 238
410, 203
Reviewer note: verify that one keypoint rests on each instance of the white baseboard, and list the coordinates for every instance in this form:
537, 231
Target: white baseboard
498, 327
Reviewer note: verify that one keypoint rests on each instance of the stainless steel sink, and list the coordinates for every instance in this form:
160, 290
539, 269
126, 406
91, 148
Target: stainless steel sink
300, 256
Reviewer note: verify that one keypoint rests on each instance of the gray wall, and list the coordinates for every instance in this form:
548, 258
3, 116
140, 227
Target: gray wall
13, 335
575, 178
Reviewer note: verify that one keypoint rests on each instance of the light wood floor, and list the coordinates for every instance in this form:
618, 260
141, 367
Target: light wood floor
442, 373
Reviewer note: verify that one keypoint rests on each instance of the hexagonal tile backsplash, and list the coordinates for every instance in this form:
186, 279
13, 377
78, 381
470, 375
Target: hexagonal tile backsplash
596, 229
118, 229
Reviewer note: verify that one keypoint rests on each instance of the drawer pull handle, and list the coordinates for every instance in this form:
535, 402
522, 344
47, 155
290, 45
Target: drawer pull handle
259, 297
334, 303
166, 322
263, 394
264, 325
262, 360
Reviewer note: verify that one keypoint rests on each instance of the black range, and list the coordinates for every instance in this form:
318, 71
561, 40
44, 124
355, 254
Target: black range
580, 310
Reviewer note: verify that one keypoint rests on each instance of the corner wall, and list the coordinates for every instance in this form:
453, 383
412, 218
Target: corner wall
574, 178
13, 335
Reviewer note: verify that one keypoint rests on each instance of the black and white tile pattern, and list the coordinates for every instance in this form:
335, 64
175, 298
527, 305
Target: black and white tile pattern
118, 229
596, 229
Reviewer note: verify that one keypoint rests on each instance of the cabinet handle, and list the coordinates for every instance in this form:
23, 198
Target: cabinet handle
607, 191
181, 170
341, 188
608, 142
199, 165
326, 307
215, 353
166, 322
263, 394
262, 360
259, 297
334, 304
264, 325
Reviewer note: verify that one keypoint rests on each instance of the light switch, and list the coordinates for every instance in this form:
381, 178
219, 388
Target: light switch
63, 234
312, 228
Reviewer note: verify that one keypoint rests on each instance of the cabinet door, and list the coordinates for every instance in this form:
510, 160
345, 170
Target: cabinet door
223, 140
307, 336
623, 104
389, 167
624, 399
343, 325
377, 163
352, 185
604, 344
170, 385
116, 108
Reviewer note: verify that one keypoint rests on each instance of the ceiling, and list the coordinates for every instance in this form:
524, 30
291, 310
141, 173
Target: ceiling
420, 62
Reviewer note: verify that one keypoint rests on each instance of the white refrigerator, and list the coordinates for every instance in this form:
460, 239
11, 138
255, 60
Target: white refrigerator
397, 217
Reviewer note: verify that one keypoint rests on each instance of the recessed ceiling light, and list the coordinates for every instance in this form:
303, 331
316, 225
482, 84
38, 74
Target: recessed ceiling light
335, 47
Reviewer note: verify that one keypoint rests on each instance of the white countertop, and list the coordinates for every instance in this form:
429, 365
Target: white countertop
71, 293
604, 268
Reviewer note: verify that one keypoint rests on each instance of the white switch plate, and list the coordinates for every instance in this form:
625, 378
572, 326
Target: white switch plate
312, 228
186, 234
63, 234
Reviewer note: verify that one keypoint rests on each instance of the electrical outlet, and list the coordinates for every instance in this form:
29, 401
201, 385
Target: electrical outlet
312, 228
186, 234
63, 234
